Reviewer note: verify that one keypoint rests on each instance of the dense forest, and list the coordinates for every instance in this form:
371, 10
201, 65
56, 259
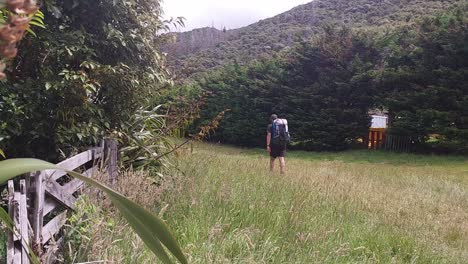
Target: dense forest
203, 49
326, 86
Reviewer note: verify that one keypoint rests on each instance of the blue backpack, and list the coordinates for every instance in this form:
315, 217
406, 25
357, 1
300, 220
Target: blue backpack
280, 133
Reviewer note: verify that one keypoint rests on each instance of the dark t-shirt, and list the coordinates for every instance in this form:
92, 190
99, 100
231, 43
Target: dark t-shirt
269, 128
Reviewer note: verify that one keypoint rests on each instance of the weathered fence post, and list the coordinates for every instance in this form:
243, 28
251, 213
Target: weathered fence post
111, 154
24, 223
11, 211
18, 240
38, 218
103, 149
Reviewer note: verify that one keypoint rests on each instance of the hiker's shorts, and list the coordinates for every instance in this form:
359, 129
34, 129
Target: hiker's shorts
277, 151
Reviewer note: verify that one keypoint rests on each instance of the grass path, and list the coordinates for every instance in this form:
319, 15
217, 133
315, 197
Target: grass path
353, 207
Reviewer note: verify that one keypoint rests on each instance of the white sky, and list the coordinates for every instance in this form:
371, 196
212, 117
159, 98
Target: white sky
229, 13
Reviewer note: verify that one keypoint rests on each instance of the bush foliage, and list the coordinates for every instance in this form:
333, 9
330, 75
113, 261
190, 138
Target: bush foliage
82, 78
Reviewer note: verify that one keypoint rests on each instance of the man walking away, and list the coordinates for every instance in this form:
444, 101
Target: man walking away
276, 140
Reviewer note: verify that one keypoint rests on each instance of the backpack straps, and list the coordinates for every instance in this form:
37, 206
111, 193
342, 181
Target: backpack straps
273, 129
284, 124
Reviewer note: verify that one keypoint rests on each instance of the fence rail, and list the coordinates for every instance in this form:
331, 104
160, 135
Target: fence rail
40, 203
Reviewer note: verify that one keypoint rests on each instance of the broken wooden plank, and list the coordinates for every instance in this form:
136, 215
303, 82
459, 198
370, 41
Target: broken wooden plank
23, 221
80, 159
54, 189
74, 162
53, 227
70, 188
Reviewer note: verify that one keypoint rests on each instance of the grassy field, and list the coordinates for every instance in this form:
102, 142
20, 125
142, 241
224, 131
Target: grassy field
351, 207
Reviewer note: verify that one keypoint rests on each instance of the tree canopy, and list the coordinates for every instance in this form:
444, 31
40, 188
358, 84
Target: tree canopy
326, 87
425, 83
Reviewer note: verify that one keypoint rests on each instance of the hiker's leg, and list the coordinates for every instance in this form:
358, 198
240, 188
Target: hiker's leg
282, 165
272, 163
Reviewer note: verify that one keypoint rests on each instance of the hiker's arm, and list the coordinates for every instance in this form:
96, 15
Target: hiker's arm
268, 139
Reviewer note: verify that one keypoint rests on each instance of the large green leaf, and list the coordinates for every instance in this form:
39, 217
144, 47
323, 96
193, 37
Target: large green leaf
6, 219
152, 230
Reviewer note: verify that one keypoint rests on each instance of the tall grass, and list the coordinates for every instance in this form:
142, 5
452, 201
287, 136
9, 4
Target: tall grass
152, 231
97, 232
351, 207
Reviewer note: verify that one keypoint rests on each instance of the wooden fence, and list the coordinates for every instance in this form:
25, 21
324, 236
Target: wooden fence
39, 203
398, 143
379, 139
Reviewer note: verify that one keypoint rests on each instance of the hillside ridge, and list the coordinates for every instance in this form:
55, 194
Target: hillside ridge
206, 48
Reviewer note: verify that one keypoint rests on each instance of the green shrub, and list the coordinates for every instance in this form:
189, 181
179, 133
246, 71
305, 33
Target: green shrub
83, 78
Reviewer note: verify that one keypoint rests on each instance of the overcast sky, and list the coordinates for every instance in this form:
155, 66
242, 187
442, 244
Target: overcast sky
226, 13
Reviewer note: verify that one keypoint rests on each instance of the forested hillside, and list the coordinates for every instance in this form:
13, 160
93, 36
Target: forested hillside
326, 86
202, 49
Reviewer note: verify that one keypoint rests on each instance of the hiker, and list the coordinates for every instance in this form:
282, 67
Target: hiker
276, 140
